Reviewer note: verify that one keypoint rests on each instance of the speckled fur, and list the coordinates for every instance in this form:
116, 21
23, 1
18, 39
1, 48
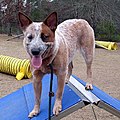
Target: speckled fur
69, 36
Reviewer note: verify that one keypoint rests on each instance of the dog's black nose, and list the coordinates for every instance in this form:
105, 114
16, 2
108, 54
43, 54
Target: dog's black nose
35, 51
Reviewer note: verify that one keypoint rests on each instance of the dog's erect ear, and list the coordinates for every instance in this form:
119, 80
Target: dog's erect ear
51, 21
24, 20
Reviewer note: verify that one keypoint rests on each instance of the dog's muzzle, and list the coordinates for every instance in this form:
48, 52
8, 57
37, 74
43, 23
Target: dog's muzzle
39, 50
35, 51
37, 56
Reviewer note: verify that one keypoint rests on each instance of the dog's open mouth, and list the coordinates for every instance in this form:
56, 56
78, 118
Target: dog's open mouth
36, 61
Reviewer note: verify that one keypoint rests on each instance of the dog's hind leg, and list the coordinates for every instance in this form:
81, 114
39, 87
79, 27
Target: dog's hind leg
70, 67
88, 53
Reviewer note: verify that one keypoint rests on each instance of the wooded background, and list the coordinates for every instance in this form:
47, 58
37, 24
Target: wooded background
102, 15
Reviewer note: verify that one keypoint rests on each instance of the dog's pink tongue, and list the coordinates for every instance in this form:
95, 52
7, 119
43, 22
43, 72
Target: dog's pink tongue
36, 62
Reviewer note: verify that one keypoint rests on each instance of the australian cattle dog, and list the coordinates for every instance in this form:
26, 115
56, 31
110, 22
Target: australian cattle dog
46, 43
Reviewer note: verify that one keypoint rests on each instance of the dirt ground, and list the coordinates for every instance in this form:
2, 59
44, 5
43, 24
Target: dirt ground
106, 74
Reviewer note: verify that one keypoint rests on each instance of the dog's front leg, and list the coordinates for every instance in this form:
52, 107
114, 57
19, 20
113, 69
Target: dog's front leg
37, 83
58, 102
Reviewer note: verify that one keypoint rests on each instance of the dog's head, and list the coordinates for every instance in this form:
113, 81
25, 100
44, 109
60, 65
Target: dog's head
39, 37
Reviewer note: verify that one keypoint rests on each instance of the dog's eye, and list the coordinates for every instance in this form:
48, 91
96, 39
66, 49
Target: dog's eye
30, 37
44, 37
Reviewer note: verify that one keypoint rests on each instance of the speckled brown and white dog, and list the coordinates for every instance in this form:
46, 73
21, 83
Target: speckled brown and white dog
48, 43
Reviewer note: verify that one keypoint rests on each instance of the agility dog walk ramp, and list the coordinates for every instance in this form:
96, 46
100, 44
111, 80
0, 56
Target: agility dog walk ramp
17, 105
95, 96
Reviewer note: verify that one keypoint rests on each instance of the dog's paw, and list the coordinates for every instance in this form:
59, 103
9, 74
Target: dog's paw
34, 112
88, 86
66, 81
57, 108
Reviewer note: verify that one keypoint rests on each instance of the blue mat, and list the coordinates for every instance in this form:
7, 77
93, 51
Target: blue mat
17, 105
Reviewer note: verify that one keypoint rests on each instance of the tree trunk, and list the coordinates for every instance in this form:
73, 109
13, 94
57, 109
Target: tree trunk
9, 29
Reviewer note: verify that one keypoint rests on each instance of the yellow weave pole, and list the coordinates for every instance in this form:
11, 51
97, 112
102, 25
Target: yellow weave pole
107, 45
15, 66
